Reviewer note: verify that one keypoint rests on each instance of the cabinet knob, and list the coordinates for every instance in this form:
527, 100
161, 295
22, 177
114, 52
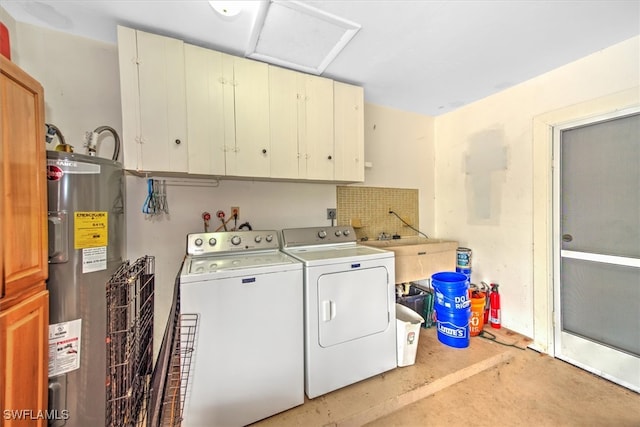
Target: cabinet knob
329, 157
264, 151
178, 142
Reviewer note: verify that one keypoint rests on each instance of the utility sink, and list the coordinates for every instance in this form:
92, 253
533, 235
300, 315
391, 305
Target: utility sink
417, 258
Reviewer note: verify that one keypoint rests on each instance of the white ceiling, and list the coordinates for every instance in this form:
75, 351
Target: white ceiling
427, 56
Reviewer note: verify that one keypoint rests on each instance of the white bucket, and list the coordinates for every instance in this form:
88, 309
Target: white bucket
407, 333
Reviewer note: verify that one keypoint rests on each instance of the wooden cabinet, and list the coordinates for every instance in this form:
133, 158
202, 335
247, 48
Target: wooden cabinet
227, 114
301, 125
24, 359
210, 118
23, 180
349, 132
153, 96
191, 110
23, 244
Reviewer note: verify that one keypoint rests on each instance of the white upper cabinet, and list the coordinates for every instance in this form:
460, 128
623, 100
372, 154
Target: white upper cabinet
210, 121
283, 109
349, 132
250, 157
317, 139
154, 119
301, 125
191, 110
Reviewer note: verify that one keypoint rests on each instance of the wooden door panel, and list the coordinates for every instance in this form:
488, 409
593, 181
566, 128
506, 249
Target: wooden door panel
23, 360
24, 221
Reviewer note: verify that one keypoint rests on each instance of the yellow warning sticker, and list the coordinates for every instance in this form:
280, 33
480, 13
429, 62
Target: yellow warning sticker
90, 229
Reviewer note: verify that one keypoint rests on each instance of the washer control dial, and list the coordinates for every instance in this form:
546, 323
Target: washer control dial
258, 239
198, 242
236, 240
346, 232
338, 233
212, 241
269, 238
322, 234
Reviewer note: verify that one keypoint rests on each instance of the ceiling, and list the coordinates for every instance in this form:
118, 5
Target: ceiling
425, 56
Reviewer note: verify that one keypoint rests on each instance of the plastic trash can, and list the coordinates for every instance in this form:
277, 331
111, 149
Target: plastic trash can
407, 334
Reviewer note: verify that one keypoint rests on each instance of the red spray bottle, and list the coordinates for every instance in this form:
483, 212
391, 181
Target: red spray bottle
494, 303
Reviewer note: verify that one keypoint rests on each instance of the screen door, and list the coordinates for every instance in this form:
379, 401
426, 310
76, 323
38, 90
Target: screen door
597, 271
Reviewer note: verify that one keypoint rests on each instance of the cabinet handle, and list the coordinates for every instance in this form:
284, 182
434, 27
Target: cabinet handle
178, 142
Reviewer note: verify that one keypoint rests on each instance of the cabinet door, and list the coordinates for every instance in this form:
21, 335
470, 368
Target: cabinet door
23, 184
205, 110
158, 94
283, 114
23, 359
250, 156
318, 127
349, 132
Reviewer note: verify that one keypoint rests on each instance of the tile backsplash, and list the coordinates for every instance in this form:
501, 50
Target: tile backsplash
367, 210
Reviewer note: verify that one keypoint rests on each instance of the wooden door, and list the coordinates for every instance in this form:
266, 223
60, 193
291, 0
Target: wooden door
205, 111
23, 183
23, 361
318, 112
283, 119
349, 132
252, 148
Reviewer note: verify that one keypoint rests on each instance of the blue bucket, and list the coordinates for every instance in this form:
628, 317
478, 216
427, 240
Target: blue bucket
451, 291
466, 272
453, 327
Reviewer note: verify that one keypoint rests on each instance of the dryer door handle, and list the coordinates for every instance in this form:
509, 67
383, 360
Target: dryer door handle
328, 310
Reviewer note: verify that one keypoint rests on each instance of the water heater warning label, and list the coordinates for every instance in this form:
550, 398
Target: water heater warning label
94, 259
90, 229
64, 347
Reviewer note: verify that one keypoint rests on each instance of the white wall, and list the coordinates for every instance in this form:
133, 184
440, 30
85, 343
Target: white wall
81, 82
400, 147
493, 212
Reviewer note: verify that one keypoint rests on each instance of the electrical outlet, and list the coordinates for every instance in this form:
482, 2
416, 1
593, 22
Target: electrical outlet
235, 210
331, 213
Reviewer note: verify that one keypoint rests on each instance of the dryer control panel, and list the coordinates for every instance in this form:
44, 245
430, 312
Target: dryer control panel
231, 241
309, 236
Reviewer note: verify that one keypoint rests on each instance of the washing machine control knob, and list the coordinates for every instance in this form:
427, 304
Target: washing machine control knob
235, 240
258, 239
212, 241
198, 242
338, 233
346, 232
269, 238
322, 234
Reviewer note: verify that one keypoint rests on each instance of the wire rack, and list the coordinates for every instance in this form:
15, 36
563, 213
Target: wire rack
177, 383
129, 342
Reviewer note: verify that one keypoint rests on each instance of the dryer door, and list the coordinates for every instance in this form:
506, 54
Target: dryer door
352, 304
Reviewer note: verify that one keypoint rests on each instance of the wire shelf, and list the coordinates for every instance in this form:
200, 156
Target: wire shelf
177, 384
129, 342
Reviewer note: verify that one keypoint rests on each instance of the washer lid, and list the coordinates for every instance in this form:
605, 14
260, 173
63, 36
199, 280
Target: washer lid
197, 265
339, 253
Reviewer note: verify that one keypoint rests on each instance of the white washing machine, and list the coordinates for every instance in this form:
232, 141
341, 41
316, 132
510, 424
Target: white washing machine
349, 307
248, 357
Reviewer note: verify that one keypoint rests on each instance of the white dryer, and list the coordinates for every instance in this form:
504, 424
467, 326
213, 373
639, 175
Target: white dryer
349, 307
247, 360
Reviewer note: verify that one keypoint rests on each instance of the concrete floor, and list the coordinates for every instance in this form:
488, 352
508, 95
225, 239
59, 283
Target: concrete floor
486, 384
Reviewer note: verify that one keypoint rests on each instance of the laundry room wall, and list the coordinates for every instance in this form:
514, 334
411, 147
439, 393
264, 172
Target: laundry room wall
484, 173
81, 82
